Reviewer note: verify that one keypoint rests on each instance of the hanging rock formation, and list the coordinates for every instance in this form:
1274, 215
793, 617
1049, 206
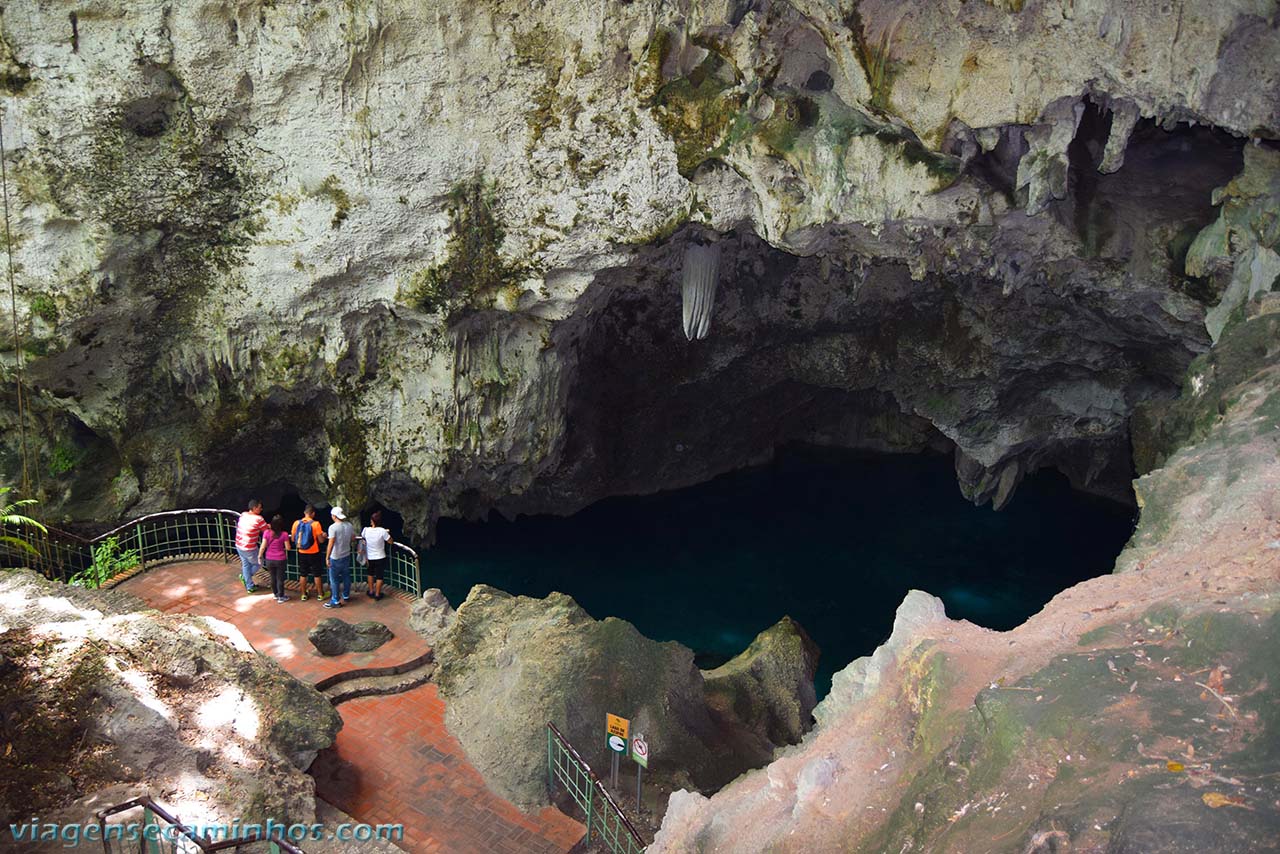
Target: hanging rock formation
700, 271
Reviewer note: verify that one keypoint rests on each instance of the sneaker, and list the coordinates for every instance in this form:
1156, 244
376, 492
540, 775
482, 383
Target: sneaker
378, 597
248, 587
282, 598
304, 597
346, 598
333, 604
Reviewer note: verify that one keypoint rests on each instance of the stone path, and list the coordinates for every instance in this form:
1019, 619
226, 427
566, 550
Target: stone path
394, 761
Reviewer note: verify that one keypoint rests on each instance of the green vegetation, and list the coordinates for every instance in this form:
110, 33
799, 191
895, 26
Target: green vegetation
44, 307
539, 48
62, 459
331, 188
792, 115
351, 467
702, 113
474, 269
15, 76
154, 169
1213, 385
109, 560
46, 707
875, 57
10, 517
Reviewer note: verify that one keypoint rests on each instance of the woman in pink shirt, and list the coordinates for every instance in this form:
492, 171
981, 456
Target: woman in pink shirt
273, 555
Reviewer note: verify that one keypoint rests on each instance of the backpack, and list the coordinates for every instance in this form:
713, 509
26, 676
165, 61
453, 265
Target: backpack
304, 535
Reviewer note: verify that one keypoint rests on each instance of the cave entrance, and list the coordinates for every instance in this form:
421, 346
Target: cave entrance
832, 537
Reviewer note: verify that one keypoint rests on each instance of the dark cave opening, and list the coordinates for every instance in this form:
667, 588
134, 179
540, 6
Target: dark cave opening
833, 538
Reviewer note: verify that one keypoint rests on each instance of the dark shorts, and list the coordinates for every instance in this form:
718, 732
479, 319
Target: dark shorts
378, 568
311, 564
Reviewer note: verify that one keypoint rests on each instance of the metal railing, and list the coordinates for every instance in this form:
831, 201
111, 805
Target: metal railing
195, 534
605, 819
154, 837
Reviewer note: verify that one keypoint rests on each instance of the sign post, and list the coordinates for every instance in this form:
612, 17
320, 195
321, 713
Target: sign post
640, 753
616, 731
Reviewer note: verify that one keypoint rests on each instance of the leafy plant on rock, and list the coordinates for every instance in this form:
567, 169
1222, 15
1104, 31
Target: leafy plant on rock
109, 560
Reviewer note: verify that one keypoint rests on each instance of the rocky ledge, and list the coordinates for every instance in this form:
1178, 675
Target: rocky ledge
508, 665
103, 700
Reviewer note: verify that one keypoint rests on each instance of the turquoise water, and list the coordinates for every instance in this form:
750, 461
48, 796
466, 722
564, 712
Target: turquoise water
833, 538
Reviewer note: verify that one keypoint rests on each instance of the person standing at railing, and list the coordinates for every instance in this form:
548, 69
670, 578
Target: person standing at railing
273, 555
338, 557
248, 533
307, 535
377, 540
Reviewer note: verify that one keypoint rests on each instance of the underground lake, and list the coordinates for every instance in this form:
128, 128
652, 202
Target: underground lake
833, 538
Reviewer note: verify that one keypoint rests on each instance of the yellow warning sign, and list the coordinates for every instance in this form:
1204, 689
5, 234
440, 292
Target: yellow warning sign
615, 725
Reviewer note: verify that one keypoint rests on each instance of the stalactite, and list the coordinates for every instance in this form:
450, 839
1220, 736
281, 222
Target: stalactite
701, 269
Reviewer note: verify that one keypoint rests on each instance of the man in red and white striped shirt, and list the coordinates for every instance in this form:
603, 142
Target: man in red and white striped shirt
248, 535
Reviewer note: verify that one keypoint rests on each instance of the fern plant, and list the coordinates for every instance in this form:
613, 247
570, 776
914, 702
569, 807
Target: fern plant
10, 518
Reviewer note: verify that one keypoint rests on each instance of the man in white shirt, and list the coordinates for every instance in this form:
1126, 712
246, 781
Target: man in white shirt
337, 557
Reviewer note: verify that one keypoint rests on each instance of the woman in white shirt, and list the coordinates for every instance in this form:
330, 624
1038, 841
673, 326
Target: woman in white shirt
377, 540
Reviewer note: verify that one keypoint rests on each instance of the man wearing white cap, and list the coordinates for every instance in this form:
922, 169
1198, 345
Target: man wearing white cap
338, 558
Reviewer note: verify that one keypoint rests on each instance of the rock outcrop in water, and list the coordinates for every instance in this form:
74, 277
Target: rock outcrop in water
104, 701
419, 252
509, 664
769, 685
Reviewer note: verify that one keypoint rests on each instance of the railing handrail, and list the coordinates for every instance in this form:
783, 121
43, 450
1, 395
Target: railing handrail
161, 515
403, 573
599, 786
203, 844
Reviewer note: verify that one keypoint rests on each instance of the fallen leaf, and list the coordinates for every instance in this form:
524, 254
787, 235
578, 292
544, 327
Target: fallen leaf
1215, 679
1217, 799
1175, 766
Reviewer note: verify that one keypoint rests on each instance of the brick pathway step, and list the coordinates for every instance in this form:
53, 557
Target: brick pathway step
378, 681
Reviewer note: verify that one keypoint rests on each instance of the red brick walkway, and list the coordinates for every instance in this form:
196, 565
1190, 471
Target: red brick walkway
394, 761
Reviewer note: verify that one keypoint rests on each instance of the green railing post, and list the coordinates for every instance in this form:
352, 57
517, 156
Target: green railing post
142, 557
591, 792
150, 842
551, 777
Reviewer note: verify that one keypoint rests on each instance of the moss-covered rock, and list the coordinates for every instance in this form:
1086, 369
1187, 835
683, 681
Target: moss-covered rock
1100, 746
769, 685
1214, 383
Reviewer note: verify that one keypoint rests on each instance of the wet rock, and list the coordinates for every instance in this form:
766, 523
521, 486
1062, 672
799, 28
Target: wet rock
332, 636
